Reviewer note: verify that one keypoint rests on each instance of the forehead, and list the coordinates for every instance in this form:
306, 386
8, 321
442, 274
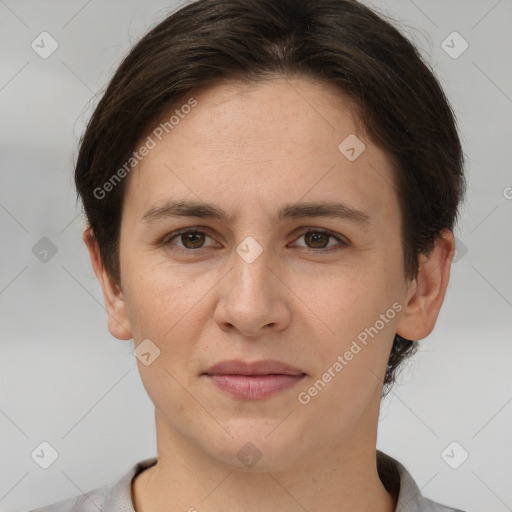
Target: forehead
259, 144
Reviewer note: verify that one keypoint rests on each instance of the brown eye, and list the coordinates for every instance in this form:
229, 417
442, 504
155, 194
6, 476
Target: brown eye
187, 240
192, 240
317, 239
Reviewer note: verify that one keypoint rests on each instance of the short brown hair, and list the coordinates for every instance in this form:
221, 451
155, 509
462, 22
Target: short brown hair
402, 107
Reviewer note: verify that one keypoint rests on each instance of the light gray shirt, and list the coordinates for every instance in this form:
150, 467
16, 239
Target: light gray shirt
116, 497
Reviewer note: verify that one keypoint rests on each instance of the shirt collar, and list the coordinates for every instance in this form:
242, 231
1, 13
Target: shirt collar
118, 497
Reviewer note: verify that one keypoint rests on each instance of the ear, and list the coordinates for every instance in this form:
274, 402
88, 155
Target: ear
118, 322
426, 292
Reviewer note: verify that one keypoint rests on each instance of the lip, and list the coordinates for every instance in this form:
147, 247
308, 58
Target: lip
254, 380
262, 367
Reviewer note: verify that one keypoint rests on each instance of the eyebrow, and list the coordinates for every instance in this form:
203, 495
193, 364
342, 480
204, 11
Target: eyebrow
290, 211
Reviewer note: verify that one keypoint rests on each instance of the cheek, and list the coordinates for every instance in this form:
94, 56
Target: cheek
353, 355
156, 302
155, 292
169, 305
349, 301
355, 319
164, 313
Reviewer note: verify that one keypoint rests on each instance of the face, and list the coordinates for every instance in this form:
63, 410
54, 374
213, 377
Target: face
301, 264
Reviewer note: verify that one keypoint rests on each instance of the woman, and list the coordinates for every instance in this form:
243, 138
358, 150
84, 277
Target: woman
270, 190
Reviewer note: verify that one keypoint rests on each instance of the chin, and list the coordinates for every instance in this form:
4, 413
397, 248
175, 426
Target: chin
257, 449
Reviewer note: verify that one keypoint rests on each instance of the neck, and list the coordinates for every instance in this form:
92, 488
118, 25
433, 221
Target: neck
339, 477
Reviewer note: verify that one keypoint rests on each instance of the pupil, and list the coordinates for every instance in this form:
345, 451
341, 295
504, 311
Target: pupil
196, 239
315, 237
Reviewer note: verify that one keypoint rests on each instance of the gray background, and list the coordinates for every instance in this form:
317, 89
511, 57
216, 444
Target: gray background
66, 381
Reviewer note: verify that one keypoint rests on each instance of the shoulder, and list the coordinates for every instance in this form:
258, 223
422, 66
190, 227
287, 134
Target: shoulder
399, 481
110, 498
426, 505
89, 502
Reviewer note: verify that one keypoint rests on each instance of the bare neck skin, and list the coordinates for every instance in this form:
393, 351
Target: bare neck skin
338, 478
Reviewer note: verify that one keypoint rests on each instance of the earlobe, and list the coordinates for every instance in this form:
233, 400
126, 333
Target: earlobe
426, 293
118, 322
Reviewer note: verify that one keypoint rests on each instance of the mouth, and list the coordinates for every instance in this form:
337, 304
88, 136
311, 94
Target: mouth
257, 380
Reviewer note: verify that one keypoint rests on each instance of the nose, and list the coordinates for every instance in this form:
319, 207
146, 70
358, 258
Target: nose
253, 297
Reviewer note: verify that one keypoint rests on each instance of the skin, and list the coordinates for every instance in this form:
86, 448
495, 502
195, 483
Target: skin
251, 149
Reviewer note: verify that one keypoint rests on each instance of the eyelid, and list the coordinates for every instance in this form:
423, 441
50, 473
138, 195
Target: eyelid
342, 240
195, 229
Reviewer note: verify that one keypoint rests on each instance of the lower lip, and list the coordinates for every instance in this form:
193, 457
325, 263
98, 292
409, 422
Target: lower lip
255, 386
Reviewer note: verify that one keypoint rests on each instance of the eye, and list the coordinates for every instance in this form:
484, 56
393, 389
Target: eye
318, 240
191, 239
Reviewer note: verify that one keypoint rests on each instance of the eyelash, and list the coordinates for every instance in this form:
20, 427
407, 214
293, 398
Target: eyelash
167, 241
